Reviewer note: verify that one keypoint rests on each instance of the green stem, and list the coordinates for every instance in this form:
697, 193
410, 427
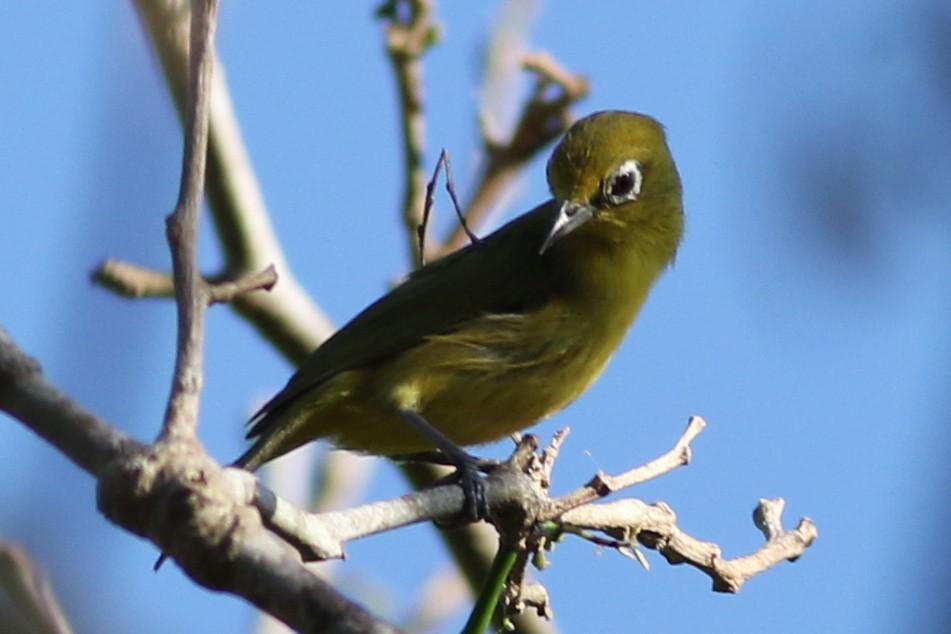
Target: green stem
492, 589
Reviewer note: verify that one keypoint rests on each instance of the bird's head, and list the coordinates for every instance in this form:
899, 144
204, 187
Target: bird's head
613, 174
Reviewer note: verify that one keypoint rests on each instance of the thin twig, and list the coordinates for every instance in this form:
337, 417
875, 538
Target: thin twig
410, 31
544, 117
428, 205
287, 316
603, 484
225, 292
442, 163
451, 189
27, 395
517, 494
131, 280
655, 526
191, 294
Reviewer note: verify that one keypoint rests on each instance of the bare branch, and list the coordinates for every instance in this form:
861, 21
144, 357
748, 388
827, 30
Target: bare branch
131, 280
321, 536
442, 163
602, 484
287, 316
544, 117
28, 396
30, 592
517, 494
181, 500
225, 292
202, 516
655, 526
410, 31
550, 72
191, 292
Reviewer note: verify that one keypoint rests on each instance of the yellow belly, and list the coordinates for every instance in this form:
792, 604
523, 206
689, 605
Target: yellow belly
500, 374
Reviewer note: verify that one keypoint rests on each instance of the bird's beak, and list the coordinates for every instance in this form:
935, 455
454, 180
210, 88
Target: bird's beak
571, 215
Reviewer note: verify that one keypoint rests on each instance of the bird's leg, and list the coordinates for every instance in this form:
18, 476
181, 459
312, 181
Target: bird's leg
486, 465
467, 466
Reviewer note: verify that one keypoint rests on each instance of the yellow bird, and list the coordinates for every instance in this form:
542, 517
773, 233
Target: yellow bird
505, 332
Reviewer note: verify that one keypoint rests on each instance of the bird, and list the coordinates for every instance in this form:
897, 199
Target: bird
510, 329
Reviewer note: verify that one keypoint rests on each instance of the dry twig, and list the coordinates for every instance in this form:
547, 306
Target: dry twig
524, 514
410, 31
544, 117
286, 316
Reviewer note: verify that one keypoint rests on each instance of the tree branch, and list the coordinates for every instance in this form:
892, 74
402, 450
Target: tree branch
544, 117
287, 317
655, 526
410, 31
181, 500
602, 484
520, 508
173, 493
30, 592
28, 396
131, 280
191, 292
227, 292
134, 281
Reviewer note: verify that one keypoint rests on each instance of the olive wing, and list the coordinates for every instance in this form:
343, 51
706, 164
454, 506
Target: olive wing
502, 273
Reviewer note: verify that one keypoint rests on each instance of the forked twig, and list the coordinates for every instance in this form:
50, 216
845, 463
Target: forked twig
442, 163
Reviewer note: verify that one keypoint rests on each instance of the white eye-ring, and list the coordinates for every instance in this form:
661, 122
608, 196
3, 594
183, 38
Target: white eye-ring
624, 185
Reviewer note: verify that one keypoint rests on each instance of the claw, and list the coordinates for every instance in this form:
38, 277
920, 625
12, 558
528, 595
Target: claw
476, 507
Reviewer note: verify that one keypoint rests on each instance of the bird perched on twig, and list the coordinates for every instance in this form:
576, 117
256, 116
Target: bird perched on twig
501, 334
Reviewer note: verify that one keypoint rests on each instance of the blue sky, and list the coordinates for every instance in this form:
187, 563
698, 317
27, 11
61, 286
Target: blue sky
807, 316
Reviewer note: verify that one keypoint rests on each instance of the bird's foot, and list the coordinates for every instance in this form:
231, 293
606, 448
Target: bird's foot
468, 476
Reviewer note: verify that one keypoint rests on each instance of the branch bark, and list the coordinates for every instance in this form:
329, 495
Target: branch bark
410, 31
191, 292
177, 497
287, 316
523, 513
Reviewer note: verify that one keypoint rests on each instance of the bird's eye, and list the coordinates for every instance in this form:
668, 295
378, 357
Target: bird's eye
624, 185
